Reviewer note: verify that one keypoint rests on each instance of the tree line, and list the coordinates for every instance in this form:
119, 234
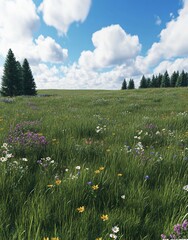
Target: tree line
162, 80
17, 79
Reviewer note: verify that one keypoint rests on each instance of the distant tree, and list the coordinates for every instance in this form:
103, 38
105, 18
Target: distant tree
154, 82
182, 80
10, 79
148, 83
20, 77
124, 85
159, 80
165, 80
174, 78
131, 84
29, 86
143, 82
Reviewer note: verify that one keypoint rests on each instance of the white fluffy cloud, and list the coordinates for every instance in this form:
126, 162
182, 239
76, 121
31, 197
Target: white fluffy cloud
18, 20
62, 13
173, 39
113, 46
50, 51
171, 66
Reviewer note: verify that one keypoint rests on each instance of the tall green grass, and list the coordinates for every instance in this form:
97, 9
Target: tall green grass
141, 191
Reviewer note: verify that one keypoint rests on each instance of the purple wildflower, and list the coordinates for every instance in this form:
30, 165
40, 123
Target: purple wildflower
185, 224
177, 228
163, 236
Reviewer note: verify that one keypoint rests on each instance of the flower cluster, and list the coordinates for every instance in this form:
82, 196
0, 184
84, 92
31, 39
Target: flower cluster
100, 129
46, 162
25, 135
180, 231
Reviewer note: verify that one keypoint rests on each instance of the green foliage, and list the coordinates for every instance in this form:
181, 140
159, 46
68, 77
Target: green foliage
165, 80
137, 156
29, 87
143, 82
17, 80
124, 85
11, 77
131, 84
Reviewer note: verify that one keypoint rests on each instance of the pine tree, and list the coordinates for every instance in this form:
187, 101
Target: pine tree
10, 79
154, 82
148, 83
182, 80
124, 85
29, 87
165, 80
131, 84
174, 78
143, 82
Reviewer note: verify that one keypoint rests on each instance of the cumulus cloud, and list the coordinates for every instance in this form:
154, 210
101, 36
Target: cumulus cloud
171, 66
18, 20
173, 39
113, 46
60, 14
50, 51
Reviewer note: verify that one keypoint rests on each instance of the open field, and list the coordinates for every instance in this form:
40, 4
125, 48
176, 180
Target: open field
83, 162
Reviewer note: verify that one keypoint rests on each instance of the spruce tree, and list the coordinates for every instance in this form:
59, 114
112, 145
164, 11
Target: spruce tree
131, 84
124, 85
29, 87
143, 82
182, 80
174, 78
10, 79
165, 80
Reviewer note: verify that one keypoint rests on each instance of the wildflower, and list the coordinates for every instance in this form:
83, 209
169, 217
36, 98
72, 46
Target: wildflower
120, 174
177, 228
163, 236
104, 217
89, 183
3, 159
50, 185
115, 229
101, 168
46, 238
185, 224
146, 177
95, 187
66, 170
58, 181
100, 238
185, 188
77, 167
123, 196
97, 171
112, 235
81, 209
24, 159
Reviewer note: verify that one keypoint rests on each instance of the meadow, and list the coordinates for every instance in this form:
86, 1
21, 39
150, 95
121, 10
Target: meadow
94, 165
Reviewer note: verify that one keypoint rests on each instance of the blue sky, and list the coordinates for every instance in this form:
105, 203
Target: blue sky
95, 44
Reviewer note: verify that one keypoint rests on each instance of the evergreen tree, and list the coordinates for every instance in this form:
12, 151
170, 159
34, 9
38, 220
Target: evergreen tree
29, 87
10, 79
124, 85
20, 77
174, 78
154, 82
143, 82
148, 81
159, 80
165, 80
182, 80
131, 84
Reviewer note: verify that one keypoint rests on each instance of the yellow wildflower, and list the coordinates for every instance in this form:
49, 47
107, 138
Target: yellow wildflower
120, 174
58, 181
81, 209
104, 217
95, 187
101, 168
100, 238
97, 171
46, 238
50, 185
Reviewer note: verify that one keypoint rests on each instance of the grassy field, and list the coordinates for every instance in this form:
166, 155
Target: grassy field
87, 165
